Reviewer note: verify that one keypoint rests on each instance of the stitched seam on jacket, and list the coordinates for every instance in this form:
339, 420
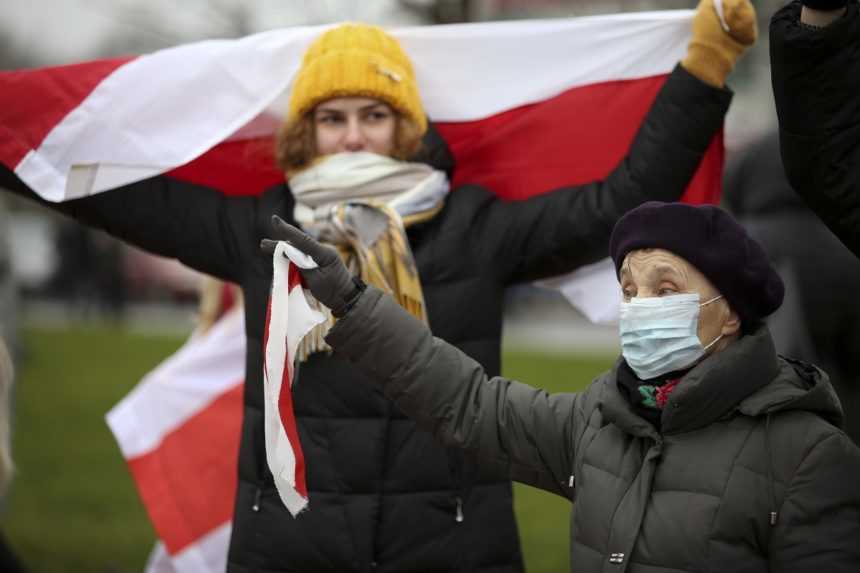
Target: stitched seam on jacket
679, 490
806, 454
605, 471
717, 513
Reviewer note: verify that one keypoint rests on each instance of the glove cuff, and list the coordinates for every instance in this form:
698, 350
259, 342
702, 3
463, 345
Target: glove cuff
712, 62
351, 300
825, 5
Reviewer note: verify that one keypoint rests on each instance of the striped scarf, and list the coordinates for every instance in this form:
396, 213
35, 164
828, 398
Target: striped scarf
361, 204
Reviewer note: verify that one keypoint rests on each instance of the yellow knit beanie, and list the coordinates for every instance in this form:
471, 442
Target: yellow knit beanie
357, 60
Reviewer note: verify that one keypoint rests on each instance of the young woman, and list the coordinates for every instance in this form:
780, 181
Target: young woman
383, 495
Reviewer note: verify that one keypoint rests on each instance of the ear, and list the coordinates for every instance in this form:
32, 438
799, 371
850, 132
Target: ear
732, 325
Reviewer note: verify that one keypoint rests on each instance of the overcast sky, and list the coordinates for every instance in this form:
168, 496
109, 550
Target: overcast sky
62, 31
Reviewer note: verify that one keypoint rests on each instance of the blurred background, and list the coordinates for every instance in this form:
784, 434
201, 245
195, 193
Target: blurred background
87, 316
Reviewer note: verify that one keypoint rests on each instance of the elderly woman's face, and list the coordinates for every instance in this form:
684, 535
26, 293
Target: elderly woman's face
354, 124
649, 273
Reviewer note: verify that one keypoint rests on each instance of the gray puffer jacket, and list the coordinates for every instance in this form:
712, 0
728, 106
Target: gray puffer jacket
750, 472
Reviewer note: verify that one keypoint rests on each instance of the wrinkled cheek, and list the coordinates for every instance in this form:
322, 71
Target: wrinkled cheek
709, 328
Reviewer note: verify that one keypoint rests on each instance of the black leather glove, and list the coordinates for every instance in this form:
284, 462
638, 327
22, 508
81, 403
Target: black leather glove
825, 5
330, 283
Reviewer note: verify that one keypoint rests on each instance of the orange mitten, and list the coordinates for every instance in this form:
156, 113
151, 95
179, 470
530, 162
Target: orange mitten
722, 31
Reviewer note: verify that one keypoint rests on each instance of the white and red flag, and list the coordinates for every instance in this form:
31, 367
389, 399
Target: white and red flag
289, 318
525, 107
179, 428
179, 431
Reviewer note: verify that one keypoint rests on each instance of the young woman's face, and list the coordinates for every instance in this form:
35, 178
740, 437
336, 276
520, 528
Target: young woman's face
354, 124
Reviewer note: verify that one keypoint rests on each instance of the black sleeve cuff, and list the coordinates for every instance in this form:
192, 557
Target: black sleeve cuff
360, 287
825, 5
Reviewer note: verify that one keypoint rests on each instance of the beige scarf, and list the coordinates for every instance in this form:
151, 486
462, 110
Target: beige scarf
361, 203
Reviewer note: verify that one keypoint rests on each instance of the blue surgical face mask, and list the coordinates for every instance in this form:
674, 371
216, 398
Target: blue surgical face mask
659, 334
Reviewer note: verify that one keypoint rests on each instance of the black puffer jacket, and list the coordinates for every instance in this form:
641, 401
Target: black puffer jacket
383, 495
749, 472
819, 321
816, 79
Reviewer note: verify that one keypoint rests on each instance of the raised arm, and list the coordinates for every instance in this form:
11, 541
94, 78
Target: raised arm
557, 232
500, 421
504, 423
815, 67
199, 226
564, 229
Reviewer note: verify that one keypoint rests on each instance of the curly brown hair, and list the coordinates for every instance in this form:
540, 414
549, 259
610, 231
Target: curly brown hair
296, 145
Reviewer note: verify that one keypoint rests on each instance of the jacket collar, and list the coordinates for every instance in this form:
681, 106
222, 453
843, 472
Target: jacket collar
617, 410
708, 392
799, 386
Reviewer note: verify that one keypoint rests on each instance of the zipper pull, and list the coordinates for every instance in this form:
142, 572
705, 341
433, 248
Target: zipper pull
257, 496
459, 517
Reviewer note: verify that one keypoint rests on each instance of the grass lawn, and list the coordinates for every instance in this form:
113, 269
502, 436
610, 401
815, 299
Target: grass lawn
73, 507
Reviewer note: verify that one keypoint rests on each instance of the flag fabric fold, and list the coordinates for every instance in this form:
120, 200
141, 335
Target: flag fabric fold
289, 318
179, 431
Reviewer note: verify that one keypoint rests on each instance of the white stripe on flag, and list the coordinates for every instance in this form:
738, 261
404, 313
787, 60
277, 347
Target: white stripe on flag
592, 289
201, 371
206, 555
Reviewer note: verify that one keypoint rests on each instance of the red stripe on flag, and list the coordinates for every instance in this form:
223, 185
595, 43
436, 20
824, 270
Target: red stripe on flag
243, 167
294, 278
205, 448
576, 137
285, 400
288, 420
32, 102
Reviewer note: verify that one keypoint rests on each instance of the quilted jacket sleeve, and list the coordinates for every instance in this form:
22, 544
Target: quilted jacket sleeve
818, 526
201, 227
816, 79
557, 232
449, 394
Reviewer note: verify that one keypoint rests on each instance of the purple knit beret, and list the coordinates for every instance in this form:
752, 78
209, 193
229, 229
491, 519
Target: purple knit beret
713, 242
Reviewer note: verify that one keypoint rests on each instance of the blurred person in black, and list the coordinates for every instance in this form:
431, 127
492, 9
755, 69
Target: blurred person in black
8, 562
815, 67
89, 274
8, 289
820, 320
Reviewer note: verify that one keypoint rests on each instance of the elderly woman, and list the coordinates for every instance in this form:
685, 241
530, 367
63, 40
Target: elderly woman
700, 450
384, 496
